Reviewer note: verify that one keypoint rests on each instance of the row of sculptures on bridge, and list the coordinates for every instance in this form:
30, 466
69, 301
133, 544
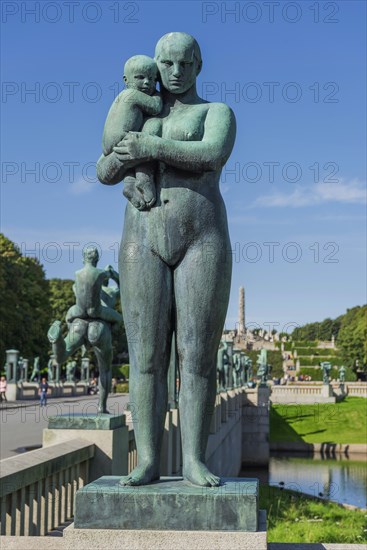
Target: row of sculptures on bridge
18, 369
90, 322
235, 369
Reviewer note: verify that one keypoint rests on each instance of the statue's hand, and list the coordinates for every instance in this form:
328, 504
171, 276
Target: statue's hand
136, 146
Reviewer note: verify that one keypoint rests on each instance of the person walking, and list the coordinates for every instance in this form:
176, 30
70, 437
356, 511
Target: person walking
42, 392
3, 386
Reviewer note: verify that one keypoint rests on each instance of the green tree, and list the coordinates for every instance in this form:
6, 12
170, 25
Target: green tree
24, 302
61, 297
352, 337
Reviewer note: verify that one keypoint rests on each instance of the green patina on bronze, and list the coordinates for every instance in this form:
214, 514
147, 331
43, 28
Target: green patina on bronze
175, 258
83, 421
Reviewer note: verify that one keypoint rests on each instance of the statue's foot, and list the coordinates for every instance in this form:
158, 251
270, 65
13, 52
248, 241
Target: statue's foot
133, 195
141, 475
54, 333
103, 410
196, 472
148, 192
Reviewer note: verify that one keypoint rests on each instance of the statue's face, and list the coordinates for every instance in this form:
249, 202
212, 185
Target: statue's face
142, 77
177, 66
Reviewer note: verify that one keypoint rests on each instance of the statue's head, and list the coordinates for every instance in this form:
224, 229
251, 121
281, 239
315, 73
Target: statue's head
179, 61
140, 73
91, 255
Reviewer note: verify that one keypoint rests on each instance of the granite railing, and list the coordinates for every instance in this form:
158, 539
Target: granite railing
37, 488
356, 389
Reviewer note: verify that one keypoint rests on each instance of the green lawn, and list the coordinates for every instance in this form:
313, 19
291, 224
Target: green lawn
343, 422
296, 518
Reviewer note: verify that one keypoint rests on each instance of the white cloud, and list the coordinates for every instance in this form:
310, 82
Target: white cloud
351, 192
82, 186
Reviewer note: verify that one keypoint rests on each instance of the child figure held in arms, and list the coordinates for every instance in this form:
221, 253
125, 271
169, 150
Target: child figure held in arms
139, 99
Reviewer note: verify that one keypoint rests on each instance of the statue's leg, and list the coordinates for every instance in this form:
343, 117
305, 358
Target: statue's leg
103, 351
63, 348
201, 289
146, 295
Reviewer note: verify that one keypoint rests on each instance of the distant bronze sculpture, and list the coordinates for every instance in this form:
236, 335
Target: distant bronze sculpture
36, 369
263, 368
89, 321
342, 372
223, 365
175, 258
326, 368
237, 369
70, 371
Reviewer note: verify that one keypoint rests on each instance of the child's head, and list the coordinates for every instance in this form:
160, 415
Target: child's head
140, 73
3, 378
43, 379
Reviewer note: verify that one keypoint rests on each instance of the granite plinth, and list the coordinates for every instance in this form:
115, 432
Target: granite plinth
86, 539
86, 422
169, 504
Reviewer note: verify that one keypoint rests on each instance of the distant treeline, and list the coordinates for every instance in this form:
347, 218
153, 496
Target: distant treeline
349, 330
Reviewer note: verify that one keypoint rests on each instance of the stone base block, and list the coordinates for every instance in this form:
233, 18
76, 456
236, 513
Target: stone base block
12, 391
109, 434
169, 504
85, 539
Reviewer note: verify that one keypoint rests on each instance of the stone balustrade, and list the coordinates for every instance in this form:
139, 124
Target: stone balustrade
37, 488
308, 393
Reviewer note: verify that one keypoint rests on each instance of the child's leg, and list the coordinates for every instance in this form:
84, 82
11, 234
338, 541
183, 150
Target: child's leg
131, 192
145, 182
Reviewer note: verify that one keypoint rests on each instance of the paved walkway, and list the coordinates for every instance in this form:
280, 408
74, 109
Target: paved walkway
22, 423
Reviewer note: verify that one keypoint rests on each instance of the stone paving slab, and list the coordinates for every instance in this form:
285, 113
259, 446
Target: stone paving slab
178, 541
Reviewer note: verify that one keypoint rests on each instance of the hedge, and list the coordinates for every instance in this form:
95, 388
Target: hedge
317, 375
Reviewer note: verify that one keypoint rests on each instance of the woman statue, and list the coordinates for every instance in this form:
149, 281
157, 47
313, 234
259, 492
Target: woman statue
175, 259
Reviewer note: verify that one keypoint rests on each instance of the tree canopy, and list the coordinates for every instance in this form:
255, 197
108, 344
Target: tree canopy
350, 331
24, 302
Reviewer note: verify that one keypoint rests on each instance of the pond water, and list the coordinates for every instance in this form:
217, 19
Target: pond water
340, 479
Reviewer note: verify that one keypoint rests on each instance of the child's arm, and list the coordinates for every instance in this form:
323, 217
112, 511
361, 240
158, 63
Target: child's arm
113, 131
150, 104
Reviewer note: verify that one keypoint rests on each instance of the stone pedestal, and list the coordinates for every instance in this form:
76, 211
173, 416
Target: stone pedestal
327, 390
169, 504
109, 434
255, 427
126, 539
12, 391
12, 357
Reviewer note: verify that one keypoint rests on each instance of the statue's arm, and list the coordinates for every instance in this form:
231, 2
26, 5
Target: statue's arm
112, 274
210, 154
150, 104
112, 170
122, 117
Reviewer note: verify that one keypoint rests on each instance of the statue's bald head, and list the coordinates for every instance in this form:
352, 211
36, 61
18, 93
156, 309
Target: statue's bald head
179, 41
91, 255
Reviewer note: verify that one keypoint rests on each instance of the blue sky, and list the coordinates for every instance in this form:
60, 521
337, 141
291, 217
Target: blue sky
294, 187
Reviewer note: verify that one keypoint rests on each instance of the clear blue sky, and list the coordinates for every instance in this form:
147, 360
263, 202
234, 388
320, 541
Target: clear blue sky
294, 74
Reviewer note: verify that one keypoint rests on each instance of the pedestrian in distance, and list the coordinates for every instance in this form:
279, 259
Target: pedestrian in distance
3, 387
42, 391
